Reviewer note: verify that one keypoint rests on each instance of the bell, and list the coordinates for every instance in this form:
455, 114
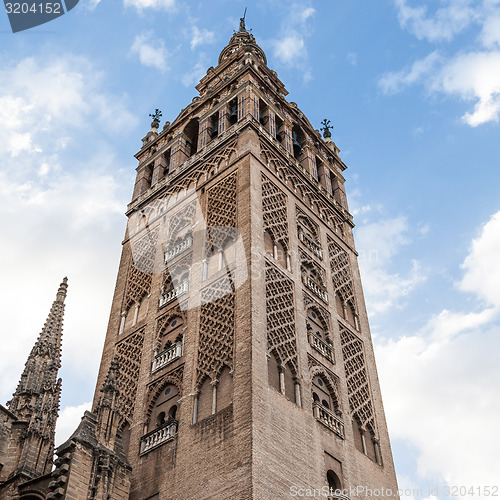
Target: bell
297, 147
233, 116
279, 136
214, 133
263, 120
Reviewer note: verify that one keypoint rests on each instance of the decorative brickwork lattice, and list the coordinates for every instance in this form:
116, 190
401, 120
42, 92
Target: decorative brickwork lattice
141, 268
281, 337
216, 344
358, 388
341, 273
302, 188
274, 212
181, 219
128, 355
210, 167
221, 213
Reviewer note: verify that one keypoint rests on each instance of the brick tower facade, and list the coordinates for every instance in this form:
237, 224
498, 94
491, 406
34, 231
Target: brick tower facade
238, 361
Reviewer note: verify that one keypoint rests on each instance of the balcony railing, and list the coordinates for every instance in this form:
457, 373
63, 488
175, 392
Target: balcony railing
321, 346
328, 419
338, 496
318, 290
166, 357
174, 293
159, 436
311, 244
178, 249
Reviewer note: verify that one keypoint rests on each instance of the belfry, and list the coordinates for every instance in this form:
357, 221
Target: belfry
238, 362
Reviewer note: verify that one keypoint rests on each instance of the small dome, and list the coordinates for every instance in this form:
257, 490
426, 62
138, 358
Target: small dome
242, 39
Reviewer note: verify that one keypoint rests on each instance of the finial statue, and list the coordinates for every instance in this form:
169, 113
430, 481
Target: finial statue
242, 21
156, 118
326, 128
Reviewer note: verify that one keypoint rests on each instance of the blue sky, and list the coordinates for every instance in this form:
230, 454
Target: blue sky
413, 91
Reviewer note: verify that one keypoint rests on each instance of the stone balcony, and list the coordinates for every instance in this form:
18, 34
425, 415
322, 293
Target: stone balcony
159, 436
321, 346
174, 293
317, 289
166, 357
328, 419
173, 252
312, 245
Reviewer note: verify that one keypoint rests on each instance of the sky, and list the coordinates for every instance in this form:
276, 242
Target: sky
413, 91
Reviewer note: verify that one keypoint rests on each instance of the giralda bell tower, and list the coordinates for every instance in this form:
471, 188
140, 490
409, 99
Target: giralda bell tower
238, 362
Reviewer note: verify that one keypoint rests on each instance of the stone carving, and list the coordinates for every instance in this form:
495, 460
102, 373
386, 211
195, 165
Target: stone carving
304, 190
216, 344
221, 214
280, 314
181, 219
274, 212
358, 389
128, 355
341, 273
141, 268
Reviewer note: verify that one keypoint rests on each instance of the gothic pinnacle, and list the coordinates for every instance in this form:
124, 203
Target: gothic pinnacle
63, 288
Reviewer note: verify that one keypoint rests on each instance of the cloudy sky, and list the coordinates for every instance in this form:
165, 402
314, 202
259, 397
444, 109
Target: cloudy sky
413, 90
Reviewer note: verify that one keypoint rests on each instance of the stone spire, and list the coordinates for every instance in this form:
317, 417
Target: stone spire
36, 399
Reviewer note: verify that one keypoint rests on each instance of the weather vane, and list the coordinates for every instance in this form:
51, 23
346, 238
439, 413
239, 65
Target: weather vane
156, 115
326, 128
242, 21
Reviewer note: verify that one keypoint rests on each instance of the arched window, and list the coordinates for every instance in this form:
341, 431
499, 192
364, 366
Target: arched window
172, 332
321, 393
334, 482
165, 407
316, 325
191, 132
298, 141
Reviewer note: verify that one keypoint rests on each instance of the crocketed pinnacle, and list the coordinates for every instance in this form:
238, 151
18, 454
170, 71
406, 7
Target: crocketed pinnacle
44, 361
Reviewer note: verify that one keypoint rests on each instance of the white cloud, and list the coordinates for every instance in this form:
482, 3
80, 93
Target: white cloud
441, 383
470, 74
151, 51
201, 37
377, 243
444, 24
474, 77
289, 48
482, 265
61, 206
92, 4
393, 82
490, 35
68, 421
197, 72
64, 94
352, 58
307, 13
168, 5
